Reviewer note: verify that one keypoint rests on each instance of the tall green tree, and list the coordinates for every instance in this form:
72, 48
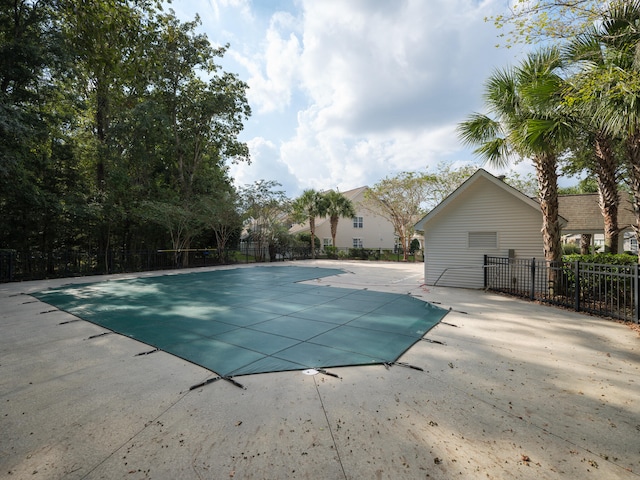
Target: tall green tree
221, 213
594, 149
307, 207
196, 122
104, 39
528, 121
444, 180
41, 187
607, 88
265, 213
337, 206
103, 36
401, 199
182, 223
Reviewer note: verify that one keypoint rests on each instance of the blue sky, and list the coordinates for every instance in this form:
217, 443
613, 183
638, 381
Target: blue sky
346, 92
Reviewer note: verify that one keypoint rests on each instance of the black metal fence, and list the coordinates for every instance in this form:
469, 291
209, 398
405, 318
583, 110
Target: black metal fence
18, 266
605, 290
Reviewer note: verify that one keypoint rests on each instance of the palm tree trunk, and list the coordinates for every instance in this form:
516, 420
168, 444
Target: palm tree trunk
334, 229
606, 168
585, 244
312, 229
548, 197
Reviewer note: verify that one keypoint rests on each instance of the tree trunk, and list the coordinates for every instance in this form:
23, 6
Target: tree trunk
102, 124
606, 168
334, 229
548, 196
405, 248
312, 229
585, 244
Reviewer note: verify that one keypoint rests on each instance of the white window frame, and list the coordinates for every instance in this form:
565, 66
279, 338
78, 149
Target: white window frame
358, 222
357, 243
327, 242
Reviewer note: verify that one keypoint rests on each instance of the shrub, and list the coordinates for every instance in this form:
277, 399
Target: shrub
332, 252
358, 253
603, 258
570, 249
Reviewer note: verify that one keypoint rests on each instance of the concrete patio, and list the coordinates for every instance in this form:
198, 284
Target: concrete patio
514, 390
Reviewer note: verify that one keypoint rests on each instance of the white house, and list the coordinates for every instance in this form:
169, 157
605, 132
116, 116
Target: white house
365, 230
484, 216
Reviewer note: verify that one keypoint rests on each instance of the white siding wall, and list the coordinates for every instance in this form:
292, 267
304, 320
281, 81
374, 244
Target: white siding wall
376, 231
483, 207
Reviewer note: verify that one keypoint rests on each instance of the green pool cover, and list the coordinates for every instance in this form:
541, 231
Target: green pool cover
254, 320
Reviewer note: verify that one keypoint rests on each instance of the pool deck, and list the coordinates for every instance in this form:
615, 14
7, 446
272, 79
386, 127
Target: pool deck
515, 390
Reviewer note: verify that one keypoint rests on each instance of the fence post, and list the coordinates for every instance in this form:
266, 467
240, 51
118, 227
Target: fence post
484, 268
532, 294
636, 295
12, 262
576, 282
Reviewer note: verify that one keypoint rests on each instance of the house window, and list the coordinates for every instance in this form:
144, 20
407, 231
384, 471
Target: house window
397, 245
357, 243
483, 239
357, 222
327, 242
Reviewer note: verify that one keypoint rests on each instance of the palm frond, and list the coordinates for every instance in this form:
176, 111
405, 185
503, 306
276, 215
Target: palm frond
584, 48
478, 129
495, 152
501, 94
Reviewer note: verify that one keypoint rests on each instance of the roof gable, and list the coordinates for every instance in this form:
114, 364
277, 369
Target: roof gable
458, 193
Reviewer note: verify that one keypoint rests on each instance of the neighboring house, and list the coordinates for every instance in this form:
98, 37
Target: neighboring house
365, 230
484, 216
583, 215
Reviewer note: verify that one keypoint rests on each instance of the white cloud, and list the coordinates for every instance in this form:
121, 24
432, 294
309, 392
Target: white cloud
345, 93
265, 165
274, 70
379, 66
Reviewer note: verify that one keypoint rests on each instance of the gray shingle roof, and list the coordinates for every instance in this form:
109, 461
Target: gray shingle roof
584, 216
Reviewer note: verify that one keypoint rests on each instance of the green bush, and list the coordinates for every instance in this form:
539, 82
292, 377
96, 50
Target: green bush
570, 249
332, 252
358, 253
415, 246
603, 258
364, 253
603, 278
305, 238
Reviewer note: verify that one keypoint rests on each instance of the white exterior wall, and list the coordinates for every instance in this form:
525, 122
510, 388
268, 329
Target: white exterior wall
483, 207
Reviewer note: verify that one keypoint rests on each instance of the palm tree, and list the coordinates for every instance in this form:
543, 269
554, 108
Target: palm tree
307, 207
586, 51
337, 206
528, 122
610, 88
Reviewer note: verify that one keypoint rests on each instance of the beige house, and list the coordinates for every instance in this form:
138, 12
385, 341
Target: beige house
365, 230
584, 217
484, 216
